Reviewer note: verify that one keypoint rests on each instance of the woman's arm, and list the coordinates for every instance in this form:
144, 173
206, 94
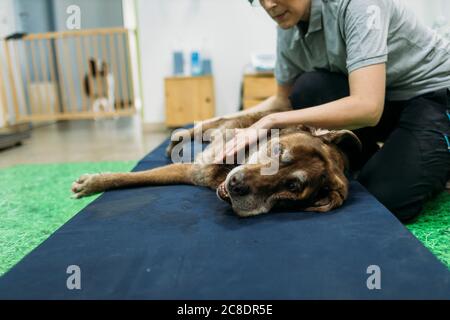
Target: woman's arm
363, 108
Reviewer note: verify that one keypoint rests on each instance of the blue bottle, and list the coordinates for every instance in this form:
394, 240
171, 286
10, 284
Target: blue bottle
178, 63
196, 67
206, 67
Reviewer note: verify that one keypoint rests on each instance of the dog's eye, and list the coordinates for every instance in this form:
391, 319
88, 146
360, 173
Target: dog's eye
293, 185
277, 150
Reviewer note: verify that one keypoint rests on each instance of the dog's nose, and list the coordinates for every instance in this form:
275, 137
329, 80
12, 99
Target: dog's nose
237, 186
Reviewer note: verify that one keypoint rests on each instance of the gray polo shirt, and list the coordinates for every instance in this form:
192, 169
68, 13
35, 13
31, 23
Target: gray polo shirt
345, 35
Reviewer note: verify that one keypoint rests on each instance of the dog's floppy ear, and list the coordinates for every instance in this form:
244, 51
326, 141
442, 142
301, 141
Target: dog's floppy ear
345, 140
93, 67
336, 182
92, 72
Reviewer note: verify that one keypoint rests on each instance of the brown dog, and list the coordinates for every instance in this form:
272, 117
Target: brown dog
311, 170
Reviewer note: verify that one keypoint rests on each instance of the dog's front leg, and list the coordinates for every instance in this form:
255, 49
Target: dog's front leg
205, 129
95, 183
198, 133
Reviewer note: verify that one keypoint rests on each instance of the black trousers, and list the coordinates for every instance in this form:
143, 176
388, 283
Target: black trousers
414, 163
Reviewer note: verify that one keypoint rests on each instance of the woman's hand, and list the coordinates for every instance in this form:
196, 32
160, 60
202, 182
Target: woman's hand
243, 138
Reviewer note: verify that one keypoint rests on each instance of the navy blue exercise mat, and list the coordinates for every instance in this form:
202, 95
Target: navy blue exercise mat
181, 242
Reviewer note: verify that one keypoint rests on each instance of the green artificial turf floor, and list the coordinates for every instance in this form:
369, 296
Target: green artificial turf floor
35, 200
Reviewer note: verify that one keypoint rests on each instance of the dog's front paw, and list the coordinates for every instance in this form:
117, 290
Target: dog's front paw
86, 185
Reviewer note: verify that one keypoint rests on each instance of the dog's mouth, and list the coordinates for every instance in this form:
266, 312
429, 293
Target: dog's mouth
242, 207
222, 193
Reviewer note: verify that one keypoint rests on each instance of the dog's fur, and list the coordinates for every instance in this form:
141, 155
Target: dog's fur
99, 87
311, 175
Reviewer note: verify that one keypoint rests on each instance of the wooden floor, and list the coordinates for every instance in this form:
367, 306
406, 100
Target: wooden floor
85, 141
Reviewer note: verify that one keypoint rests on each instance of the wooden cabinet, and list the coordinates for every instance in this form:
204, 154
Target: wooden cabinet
189, 99
257, 88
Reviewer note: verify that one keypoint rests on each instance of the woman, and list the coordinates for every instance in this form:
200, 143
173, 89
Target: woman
369, 66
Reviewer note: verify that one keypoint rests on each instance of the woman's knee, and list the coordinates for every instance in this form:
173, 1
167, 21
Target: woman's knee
402, 200
318, 87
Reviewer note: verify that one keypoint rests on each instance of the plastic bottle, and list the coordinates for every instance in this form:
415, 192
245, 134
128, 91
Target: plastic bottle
178, 63
206, 58
196, 65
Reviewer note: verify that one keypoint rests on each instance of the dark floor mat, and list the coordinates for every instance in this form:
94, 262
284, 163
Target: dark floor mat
181, 242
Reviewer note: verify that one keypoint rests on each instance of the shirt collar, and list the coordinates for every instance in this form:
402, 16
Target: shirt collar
315, 19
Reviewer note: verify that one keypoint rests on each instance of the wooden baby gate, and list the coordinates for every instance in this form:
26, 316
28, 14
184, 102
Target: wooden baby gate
82, 74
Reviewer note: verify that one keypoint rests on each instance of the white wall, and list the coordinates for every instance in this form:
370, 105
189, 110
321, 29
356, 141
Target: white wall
34, 16
232, 29
7, 26
7, 18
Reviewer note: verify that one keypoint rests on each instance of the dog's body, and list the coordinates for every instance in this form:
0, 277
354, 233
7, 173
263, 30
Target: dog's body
99, 87
311, 173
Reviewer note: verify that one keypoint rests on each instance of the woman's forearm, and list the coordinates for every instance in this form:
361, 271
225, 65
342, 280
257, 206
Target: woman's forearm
347, 113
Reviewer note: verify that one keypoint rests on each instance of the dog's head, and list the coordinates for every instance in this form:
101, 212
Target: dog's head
310, 175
